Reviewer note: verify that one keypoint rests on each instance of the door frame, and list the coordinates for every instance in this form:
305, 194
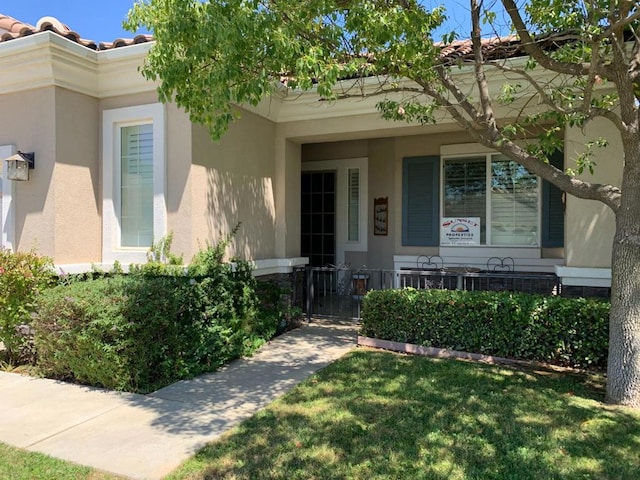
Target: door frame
341, 167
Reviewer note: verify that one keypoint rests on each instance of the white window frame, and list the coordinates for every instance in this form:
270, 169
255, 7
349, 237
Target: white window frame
448, 152
112, 121
7, 214
342, 167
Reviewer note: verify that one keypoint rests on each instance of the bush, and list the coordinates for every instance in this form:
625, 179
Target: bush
277, 314
140, 332
563, 331
23, 275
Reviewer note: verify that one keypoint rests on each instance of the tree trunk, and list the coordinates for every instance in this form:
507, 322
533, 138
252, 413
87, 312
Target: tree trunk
623, 370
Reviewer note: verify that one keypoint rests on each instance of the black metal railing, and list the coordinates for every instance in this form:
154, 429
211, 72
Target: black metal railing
336, 291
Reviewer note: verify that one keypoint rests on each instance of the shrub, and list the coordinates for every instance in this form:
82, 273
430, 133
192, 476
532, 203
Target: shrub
563, 331
147, 329
125, 333
277, 314
23, 275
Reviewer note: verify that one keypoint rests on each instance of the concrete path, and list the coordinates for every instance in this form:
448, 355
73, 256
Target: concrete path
148, 436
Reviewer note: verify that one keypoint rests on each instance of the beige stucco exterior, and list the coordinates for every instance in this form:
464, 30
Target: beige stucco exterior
251, 176
233, 182
590, 225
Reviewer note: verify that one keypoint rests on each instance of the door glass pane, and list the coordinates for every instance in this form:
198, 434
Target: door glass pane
514, 204
136, 186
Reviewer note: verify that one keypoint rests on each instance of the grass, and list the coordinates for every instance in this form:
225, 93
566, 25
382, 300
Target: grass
18, 464
378, 415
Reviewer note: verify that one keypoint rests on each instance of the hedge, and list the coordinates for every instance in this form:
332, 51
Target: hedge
140, 332
569, 332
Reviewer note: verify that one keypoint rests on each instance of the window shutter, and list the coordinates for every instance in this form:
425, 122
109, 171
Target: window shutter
420, 207
553, 209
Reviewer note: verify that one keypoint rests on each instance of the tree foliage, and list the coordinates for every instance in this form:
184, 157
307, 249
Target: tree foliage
564, 64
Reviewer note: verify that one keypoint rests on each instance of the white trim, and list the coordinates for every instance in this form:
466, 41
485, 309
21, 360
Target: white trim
584, 276
459, 258
272, 266
112, 120
7, 215
341, 168
268, 266
46, 59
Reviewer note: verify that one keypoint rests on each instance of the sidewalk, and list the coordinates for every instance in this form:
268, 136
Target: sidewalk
148, 436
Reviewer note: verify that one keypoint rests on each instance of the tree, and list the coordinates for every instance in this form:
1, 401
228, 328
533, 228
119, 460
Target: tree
215, 54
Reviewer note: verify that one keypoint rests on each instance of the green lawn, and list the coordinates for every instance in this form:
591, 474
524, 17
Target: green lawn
385, 416
18, 464
379, 415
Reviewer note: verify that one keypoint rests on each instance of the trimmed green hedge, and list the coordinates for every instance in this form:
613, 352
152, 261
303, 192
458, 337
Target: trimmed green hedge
562, 331
140, 332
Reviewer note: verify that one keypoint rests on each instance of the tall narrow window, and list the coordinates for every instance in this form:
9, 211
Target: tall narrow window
136, 186
354, 205
133, 182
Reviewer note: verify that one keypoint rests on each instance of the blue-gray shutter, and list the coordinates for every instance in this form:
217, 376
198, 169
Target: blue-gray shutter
553, 208
420, 201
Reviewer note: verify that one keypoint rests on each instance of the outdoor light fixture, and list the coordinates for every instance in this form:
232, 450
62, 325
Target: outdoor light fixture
18, 166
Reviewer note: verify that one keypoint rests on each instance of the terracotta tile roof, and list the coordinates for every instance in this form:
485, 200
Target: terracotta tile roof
492, 48
459, 50
10, 28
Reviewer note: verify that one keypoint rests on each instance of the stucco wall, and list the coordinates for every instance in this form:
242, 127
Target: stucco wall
179, 184
76, 180
233, 181
382, 174
28, 122
590, 225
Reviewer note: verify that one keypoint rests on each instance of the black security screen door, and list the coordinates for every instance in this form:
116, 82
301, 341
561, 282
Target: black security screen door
318, 229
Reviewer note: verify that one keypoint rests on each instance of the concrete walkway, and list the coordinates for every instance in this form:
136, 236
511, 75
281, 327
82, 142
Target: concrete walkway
148, 436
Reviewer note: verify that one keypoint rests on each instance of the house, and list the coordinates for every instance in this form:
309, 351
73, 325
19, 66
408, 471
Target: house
333, 183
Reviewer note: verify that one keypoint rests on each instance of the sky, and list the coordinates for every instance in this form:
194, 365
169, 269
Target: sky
102, 21
97, 21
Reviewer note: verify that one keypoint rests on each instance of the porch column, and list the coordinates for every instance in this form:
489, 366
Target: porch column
287, 198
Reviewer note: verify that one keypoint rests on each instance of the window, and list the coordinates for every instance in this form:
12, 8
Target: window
136, 185
503, 194
354, 205
134, 212
515, 208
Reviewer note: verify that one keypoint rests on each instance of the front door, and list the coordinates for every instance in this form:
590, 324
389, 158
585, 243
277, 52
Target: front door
318, 222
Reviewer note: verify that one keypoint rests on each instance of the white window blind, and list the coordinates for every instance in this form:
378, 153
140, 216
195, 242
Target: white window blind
354, 205
136, 185
465, 190
502, 193
514, 204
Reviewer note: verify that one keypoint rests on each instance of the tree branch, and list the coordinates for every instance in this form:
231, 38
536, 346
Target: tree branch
481, 79
534, 50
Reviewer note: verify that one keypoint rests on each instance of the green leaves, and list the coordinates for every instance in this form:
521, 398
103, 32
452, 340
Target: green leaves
563, 331
23, 277
213, 55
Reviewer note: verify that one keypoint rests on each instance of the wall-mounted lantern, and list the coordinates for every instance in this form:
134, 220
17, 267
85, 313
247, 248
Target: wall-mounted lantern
18, 166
